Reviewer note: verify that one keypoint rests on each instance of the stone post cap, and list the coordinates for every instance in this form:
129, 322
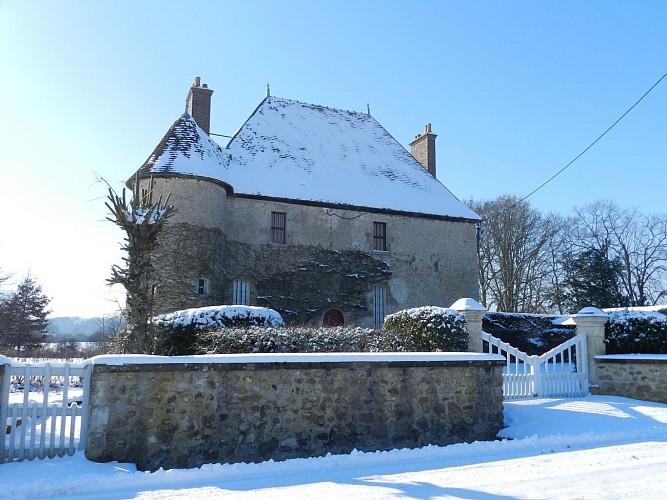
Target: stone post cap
591, 312
467, 304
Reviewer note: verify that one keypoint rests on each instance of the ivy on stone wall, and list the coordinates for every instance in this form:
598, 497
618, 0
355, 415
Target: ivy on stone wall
302, 282
186, 253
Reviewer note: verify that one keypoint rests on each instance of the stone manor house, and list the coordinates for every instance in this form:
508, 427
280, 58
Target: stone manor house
312, 211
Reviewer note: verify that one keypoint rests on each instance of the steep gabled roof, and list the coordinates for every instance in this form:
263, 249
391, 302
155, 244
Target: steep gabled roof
186, 149
296, 151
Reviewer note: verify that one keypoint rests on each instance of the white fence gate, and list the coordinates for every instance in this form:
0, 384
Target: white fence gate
561, 372
43, 409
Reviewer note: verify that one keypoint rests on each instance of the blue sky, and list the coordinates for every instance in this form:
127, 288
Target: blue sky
514, 90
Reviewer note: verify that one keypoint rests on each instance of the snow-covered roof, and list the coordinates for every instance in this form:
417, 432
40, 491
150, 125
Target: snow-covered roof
296, 151
186, 149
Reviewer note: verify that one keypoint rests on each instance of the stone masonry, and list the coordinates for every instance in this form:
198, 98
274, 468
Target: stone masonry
428, 261
188, 414
638, 377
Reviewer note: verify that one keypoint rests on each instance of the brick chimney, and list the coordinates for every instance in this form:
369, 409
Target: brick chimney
199, 104
423, 149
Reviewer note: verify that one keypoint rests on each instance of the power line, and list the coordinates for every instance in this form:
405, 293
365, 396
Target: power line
595, 141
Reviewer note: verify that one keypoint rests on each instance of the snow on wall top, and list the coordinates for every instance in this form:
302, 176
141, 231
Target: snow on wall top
297, 151
330, 357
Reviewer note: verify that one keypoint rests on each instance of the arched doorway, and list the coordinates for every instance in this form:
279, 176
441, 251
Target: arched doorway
333, 317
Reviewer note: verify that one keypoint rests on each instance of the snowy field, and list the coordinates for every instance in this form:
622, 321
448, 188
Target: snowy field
593, 447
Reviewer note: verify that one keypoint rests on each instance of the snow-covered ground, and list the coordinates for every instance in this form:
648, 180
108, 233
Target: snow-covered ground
593, 447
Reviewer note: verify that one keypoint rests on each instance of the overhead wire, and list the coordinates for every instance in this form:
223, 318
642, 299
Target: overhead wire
596, 140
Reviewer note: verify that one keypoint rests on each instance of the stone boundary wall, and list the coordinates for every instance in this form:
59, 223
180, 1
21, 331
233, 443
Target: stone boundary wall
638, 376
180, 413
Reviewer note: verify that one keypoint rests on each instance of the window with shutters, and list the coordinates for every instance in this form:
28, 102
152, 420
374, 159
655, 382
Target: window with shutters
379, 306
380, 236
241, 292
278, 220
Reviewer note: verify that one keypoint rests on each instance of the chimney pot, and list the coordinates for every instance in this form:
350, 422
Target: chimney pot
427, 128
197, 82
205, 85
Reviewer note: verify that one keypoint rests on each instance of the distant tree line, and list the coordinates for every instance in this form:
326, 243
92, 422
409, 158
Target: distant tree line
602, 256
24, 325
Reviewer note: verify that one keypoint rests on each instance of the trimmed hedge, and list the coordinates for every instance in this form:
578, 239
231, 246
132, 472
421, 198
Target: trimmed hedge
220, 316
178, 333
636, 332
427, 329
533, 334
209, 331
286, 340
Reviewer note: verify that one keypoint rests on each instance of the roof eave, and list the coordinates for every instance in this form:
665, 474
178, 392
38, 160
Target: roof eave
357, 208
166, 175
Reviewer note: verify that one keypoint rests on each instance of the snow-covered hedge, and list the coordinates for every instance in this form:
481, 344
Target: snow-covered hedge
286, 340
177, 333
427, 328
220, 317
636, 332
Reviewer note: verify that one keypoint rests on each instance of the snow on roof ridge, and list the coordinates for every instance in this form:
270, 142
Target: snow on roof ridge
304, 103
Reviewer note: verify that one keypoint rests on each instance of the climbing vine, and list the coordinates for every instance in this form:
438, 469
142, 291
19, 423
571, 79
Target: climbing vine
302, 282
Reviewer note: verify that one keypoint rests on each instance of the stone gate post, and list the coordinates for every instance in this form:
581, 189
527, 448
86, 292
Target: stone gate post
474, 313
591, 321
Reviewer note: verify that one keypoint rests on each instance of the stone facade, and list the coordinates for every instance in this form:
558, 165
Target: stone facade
326, 262
638, 377
338, 181
188, 414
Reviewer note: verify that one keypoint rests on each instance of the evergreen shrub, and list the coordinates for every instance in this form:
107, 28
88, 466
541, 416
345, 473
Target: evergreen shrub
636, 332
427, 329
533, 334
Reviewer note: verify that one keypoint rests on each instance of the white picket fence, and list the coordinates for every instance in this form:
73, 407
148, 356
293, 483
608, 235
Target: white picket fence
43, 409
560, 372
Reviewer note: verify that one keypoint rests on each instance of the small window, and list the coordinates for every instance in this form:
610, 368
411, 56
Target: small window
278, 227
241, 293
202, 286
380, 236
379, 306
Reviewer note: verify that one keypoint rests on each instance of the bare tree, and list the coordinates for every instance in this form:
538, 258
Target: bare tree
516, 249
142, 219
109, 328
639, 241
4, 277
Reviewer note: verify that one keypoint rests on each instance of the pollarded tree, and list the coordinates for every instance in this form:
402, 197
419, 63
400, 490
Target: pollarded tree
142, 219
23, 315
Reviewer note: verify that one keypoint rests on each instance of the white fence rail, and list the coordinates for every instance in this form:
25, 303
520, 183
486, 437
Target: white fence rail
43, 409
561, 372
